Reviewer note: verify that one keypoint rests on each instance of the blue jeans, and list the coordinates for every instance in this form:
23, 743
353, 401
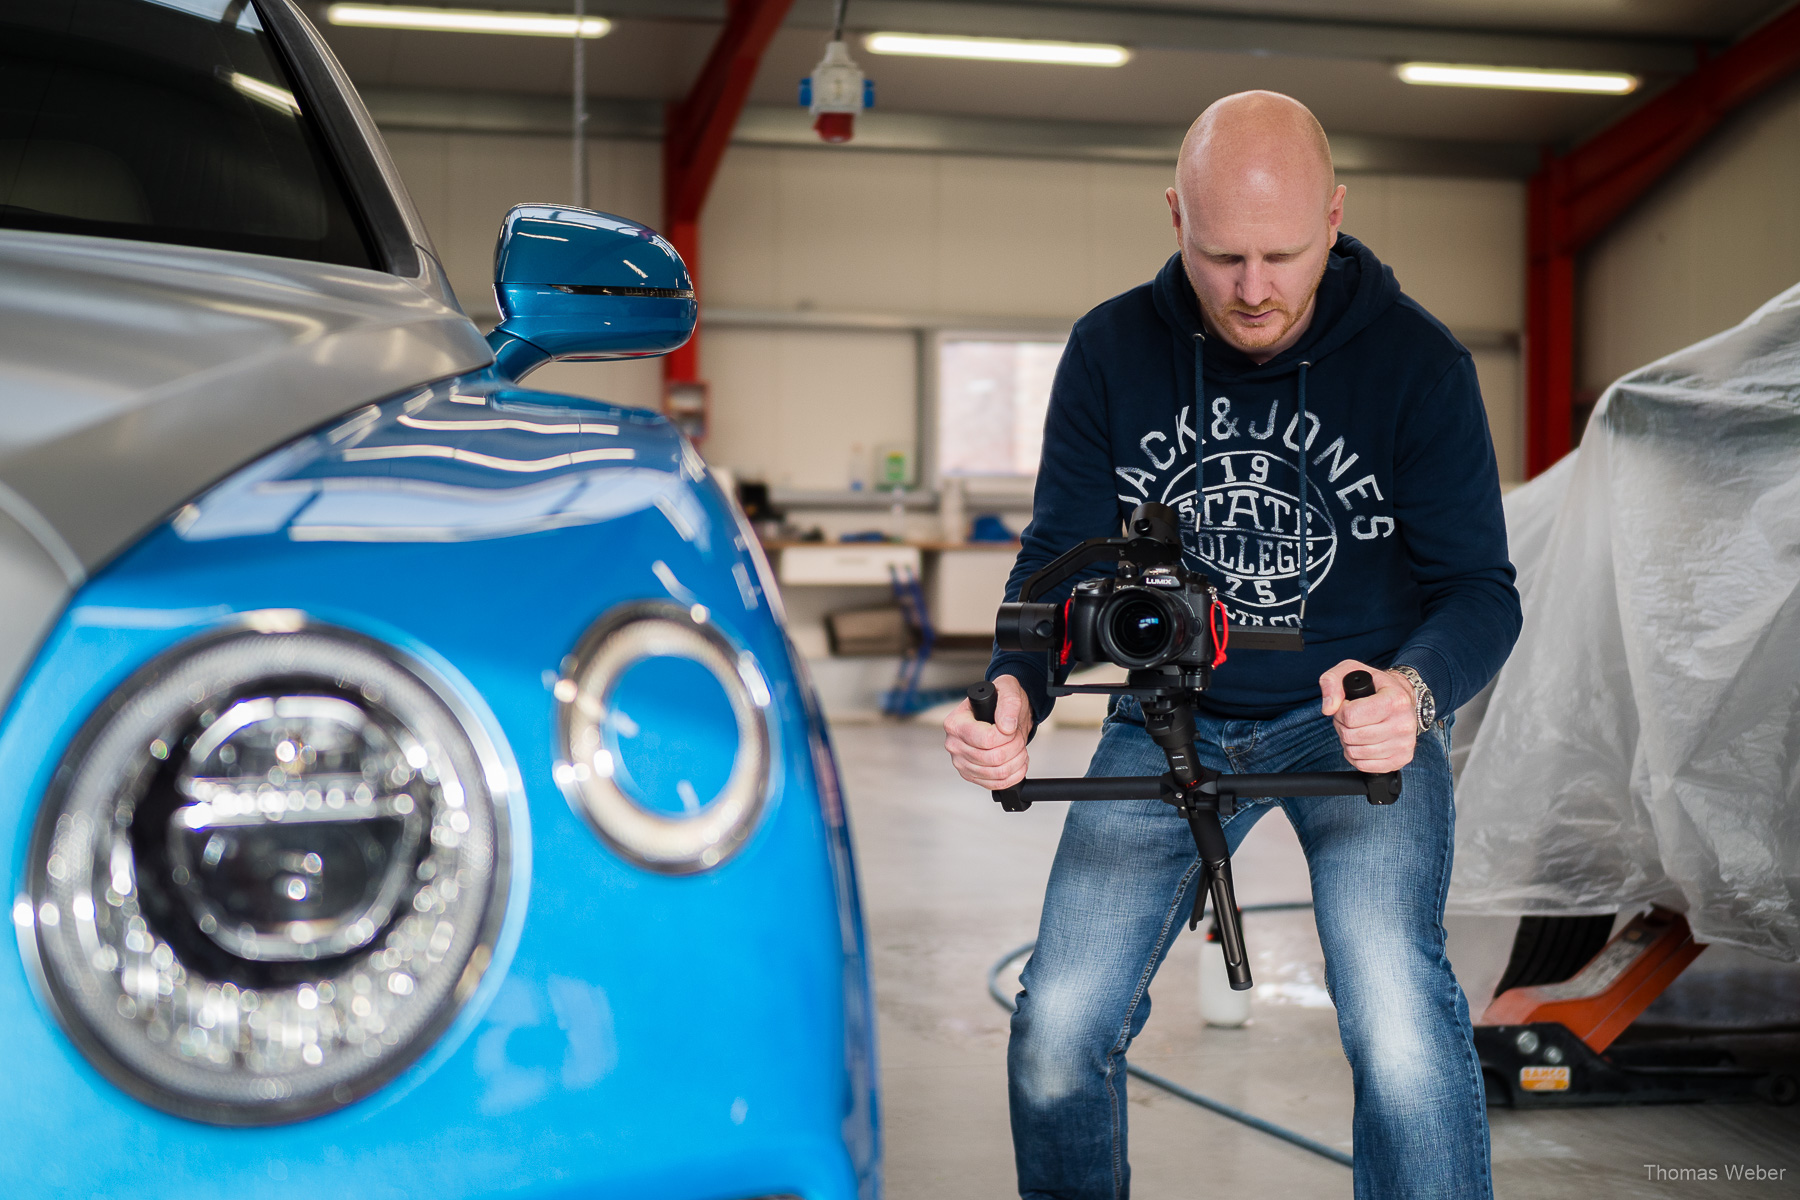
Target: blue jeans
1119, 894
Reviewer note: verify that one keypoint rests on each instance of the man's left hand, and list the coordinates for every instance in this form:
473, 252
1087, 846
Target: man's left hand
1377, 732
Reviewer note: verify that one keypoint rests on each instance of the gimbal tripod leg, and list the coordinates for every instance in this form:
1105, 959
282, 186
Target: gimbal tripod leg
1215, 860
1171, 726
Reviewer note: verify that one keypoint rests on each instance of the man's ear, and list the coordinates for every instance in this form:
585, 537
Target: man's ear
1174, 199
1334, 213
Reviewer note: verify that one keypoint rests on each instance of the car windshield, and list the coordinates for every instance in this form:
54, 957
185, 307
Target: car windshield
164, 121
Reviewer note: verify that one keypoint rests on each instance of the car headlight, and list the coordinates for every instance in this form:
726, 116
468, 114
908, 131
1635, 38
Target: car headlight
664, 737
266, 877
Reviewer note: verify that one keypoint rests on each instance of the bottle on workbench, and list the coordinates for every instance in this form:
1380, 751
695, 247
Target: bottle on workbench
953, 511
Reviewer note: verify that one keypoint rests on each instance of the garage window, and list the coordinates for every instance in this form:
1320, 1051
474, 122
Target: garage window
993, 393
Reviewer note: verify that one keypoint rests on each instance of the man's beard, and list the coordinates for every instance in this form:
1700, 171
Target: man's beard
1256, 339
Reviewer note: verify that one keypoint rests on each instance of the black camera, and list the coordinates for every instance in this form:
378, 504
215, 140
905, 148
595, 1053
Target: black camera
1159, 620
1139, 619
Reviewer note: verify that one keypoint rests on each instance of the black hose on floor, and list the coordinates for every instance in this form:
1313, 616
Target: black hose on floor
1169, 1085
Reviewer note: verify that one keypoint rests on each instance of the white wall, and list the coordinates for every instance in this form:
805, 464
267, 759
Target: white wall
925, 234
1458, 247
1709, 245
949, 236
791, 407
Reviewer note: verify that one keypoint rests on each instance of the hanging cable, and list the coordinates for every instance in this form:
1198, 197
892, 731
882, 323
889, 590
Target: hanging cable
579, 116
1169, 1085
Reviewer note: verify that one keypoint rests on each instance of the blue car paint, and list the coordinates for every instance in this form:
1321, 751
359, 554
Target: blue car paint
706, 1036
572, 283
672, 733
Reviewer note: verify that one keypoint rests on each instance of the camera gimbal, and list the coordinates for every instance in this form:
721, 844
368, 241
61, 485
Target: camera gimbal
1167, 695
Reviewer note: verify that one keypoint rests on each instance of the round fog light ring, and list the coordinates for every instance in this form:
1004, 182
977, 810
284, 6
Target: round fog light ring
667, 843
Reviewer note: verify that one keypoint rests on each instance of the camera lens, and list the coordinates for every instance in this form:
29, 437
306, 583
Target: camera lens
1139, 628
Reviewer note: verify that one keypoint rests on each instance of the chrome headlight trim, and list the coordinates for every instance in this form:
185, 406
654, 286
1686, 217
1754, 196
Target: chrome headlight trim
669, 845
281, 1041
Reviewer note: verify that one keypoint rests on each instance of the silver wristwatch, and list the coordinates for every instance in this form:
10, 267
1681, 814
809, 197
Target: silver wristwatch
1424, 703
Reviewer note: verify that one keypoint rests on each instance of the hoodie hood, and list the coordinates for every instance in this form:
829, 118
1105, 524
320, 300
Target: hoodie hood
1355, 290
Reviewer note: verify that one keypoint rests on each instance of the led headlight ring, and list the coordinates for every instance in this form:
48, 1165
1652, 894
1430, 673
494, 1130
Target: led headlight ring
589, 776
267, 875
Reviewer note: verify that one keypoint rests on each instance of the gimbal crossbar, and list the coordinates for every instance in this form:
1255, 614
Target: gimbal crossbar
1201, 796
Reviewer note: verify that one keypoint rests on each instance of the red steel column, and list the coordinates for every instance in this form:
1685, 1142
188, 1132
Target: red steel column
682, 364
696, 134
1577, 197
1549, 321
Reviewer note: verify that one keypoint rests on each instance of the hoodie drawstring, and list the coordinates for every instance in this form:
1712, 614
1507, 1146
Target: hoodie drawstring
1300, 461
1200, 428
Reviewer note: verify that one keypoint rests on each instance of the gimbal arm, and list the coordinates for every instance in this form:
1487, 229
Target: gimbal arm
1155, 541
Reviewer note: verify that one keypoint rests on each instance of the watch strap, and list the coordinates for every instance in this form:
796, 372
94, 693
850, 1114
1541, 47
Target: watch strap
1423, 700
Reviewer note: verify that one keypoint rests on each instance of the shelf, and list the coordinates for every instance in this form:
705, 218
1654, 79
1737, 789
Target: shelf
915, 500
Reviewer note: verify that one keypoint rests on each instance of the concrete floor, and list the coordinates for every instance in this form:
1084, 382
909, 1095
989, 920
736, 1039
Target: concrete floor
950, 883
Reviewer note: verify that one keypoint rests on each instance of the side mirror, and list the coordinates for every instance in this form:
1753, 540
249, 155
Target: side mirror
577, 284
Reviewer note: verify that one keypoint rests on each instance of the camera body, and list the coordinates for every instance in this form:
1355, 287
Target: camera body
1142, 619
1154, 617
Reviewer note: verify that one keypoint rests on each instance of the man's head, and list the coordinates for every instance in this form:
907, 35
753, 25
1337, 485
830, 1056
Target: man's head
1256, 207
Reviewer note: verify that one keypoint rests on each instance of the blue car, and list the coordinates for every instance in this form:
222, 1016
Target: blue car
411, 788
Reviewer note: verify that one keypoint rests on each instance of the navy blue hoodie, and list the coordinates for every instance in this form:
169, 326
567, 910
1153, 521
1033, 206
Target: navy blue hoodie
1406, 556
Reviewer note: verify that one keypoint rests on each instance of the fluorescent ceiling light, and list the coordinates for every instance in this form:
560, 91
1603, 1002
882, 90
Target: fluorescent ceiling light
465, 20
1082, 54
1608, 83
265, 93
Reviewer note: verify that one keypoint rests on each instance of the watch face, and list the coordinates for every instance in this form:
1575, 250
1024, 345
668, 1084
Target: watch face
1427, 708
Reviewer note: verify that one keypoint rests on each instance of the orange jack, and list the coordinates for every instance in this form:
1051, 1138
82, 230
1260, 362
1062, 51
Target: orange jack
1608, 994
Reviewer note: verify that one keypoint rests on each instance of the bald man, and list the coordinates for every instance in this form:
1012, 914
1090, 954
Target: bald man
1267, 346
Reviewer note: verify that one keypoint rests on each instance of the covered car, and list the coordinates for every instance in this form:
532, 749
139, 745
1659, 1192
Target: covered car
1642, 744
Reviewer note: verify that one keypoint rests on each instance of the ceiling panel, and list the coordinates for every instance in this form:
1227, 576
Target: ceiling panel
652, 58
1678, 18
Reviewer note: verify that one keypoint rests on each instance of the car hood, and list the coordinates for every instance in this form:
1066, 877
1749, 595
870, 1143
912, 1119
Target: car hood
132, 375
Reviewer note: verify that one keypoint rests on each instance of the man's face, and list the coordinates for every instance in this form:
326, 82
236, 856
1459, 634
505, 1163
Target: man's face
1254, 244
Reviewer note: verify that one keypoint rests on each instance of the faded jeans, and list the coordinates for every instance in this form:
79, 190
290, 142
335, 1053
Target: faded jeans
1119, 894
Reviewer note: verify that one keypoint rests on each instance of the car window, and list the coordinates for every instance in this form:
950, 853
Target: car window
165, 121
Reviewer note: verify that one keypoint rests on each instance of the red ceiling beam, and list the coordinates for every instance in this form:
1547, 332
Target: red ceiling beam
1575, 198
698, 130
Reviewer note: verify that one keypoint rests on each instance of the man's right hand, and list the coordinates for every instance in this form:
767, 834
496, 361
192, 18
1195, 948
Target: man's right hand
994, 755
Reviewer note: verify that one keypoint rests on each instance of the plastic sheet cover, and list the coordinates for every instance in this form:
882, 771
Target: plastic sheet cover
1642, 744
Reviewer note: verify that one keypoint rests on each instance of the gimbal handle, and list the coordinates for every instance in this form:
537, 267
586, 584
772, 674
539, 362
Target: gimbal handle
1378, 789
983, 697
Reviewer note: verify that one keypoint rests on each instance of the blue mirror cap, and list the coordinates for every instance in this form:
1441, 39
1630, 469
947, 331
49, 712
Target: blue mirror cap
591, 325
590, 253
